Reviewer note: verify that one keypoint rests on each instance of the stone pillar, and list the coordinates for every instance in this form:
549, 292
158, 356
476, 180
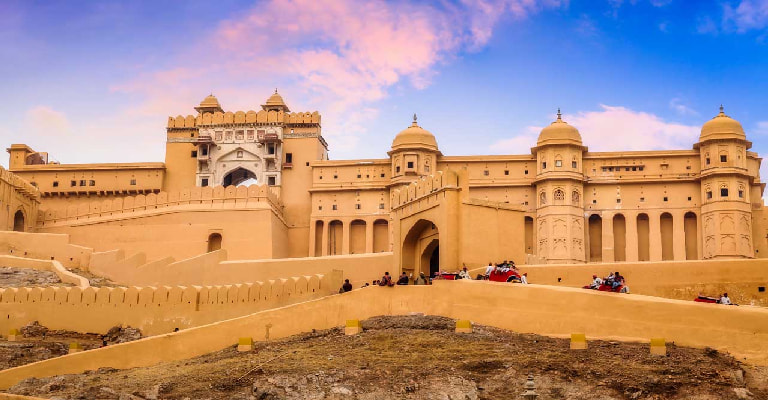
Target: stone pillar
326, 227
654, 233
631, 223
312, 235
678, 235
608, 250
369, 235
345, 239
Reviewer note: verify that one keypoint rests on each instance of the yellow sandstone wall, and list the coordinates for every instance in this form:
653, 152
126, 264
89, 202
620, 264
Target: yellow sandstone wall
214, 269
178, 224
45, 265
45, 246
17, 196
552, 311
153, 310
682, 280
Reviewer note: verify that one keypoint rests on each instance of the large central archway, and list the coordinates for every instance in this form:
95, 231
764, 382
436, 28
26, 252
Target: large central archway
421, 249
239, 176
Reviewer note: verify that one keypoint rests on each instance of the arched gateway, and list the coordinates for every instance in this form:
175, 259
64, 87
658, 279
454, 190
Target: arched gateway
421, 249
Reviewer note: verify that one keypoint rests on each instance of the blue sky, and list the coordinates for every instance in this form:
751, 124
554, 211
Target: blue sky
95, 82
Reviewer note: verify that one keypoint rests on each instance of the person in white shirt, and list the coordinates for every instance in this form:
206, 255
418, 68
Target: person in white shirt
464, 274
724, 299
596, 282
524, 279
488, 270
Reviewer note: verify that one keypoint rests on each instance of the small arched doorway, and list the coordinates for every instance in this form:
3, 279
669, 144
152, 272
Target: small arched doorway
238, 177
18, 221
214, 242
420, 249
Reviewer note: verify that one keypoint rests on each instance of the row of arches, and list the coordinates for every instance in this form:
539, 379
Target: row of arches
643, 237
358, 236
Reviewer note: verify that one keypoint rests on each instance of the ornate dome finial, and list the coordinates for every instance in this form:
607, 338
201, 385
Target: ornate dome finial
559, 115
275, 90
722, 110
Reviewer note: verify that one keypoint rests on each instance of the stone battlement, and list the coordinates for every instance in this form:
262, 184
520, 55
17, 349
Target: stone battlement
152, 309
242, 117
19, 185
422, 187
230, 197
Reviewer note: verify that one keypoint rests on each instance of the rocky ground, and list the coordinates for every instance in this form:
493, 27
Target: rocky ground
95, 280
38, 343
420, 357
20, 277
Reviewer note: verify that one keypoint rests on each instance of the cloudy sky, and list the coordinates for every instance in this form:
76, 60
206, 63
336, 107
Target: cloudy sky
96, 81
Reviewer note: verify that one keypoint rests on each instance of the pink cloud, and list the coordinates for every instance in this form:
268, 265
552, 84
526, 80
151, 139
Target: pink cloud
615, 128
336, 56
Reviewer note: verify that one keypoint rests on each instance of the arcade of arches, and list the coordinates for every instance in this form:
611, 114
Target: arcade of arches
354, 236
643, 237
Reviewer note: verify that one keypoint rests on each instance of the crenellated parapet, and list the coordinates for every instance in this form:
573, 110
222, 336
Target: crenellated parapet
424, 186
243, 117
152, 309
230, 197
22, 187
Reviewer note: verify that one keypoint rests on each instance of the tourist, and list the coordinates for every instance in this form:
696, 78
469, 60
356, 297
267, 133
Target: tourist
421, 280
386, 280
366, 284
403, 280
724, 299
464, 274
489, 270
347, 287
524, 279
618, 280
596, 282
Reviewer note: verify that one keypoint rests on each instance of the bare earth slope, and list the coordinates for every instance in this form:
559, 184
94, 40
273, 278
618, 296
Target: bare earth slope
420, 357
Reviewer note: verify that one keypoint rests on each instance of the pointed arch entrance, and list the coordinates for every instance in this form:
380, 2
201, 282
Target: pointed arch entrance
18, 221
421, 248
239, 176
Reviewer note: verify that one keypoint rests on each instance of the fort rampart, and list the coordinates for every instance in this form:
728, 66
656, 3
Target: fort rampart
153, 310
537, 309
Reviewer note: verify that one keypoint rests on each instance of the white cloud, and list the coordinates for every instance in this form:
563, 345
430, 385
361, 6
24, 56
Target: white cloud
43, 121
761, 128
520, 144
748, 15
681, 108
613, 129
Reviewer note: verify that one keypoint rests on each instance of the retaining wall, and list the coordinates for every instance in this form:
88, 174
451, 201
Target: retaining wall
154, 310
546, 310
45, 265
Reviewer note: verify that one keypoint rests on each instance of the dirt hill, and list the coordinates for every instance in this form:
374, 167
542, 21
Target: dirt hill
420, 357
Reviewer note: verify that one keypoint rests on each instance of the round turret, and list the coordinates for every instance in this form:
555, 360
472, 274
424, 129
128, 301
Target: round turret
414, 137
209, 104
275, 102
722, 127
559, 132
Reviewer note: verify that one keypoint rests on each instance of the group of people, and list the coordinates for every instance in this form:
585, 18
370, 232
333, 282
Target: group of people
614, 280
502, 267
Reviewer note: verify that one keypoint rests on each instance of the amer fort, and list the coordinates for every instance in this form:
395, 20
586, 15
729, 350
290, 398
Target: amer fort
242, 237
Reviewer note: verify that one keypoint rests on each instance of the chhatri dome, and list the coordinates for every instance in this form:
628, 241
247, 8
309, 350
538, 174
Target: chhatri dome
415, 137
209, 104
559, 132
275, 102
722, 127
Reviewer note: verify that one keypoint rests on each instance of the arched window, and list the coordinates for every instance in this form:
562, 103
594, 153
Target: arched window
543, 198
559, 195
575, 197
214, 242
18, 221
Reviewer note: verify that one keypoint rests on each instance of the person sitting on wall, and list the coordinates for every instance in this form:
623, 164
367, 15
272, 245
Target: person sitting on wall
524, 278
403, 280
386, 280
421, 280
347, 287
608, 280
724, 299
618, 280
464, 274
596, 282
488, 270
